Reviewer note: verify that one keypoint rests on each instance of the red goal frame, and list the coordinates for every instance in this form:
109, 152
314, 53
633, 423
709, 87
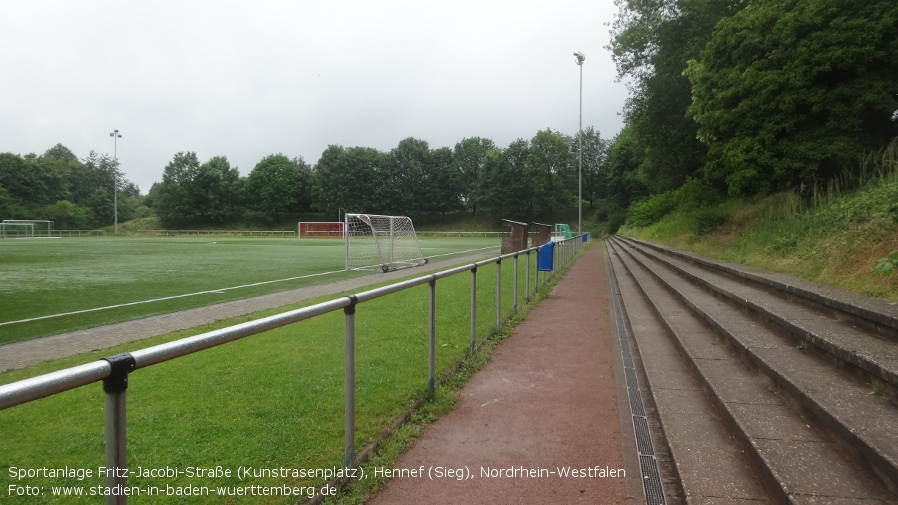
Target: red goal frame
321, 229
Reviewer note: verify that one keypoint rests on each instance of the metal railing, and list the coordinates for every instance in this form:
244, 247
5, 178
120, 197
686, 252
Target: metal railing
114, 371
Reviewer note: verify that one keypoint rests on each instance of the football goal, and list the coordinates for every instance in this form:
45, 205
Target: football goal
24, 228
16, 230
381, 243
320, 229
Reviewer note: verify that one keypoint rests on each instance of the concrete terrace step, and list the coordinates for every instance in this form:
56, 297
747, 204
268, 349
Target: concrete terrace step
708, 463
820, 452
880, 312
847, 338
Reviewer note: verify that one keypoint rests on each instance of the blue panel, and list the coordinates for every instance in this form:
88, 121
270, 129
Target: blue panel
585, 237
546, 253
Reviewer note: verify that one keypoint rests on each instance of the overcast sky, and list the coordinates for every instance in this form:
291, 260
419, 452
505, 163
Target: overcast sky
245, 79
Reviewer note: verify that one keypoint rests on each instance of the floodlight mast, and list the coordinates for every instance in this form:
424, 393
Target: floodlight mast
115, 136
580, 59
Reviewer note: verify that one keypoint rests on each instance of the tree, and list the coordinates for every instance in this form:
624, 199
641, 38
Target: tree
550, 155
507, 187
216, 192
788, 93
446, 184
409, 178
91, 186
279, 187
348, 179
6, 203
32, 181
620, 179
652, 42
468, 160
595, 154
67, 215
194, 194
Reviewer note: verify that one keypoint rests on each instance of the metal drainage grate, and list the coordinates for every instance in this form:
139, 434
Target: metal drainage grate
651, 475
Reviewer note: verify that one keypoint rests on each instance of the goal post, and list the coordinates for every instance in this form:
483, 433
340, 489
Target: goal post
320, 229
374, 242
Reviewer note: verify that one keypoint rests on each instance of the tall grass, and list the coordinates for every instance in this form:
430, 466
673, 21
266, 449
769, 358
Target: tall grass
832, 233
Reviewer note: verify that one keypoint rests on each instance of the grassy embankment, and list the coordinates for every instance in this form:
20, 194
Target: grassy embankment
835, 236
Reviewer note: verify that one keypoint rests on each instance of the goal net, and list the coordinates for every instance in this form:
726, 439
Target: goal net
16, 230
320, 229
381, 243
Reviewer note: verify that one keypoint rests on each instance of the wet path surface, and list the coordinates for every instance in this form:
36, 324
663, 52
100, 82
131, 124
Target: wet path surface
545, 405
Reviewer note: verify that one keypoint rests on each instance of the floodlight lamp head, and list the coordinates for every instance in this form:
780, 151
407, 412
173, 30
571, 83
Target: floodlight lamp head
580, 57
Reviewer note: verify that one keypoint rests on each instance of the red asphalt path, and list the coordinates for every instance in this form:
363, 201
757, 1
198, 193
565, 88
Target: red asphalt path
546, 403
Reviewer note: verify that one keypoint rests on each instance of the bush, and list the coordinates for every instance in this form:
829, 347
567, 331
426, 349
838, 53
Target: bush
616, 219
651, 210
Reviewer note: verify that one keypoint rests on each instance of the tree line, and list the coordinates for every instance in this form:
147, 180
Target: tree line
528, 180
73, 193
749, 97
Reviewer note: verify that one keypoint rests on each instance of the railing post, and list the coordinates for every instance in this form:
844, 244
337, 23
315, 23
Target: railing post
498, 295
527, 279
536, 281
473, 309
431, 339
514, 306
349, 383
114, 387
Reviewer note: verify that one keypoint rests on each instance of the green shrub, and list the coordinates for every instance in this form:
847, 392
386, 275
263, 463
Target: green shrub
652, 209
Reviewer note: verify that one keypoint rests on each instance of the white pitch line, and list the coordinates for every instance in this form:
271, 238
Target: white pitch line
463, 252
129, 304
211, 291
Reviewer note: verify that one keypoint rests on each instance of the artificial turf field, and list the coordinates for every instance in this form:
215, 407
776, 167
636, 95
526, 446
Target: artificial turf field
45, 277
269, 401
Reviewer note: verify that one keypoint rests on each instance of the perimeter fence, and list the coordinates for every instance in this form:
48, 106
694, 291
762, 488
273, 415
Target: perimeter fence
115, 371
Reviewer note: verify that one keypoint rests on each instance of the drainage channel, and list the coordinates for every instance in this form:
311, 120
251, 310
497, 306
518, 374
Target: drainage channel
648, 463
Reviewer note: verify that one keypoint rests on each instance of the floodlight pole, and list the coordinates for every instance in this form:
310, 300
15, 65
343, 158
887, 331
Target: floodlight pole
580, 59
115, 136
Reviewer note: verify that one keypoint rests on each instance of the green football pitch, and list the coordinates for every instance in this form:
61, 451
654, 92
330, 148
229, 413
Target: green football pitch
52, 286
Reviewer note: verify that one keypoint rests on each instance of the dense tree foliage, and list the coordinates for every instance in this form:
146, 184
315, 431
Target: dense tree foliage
529, 180
787, 93
348, 179
279, 187
507, 184
653, 40
748, 96
57, 186
468, 157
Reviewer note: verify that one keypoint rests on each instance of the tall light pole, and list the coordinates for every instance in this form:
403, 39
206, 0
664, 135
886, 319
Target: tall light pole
115, 136
580, 59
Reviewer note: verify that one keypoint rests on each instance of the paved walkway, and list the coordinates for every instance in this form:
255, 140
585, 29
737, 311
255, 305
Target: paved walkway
546, 402
22, 354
